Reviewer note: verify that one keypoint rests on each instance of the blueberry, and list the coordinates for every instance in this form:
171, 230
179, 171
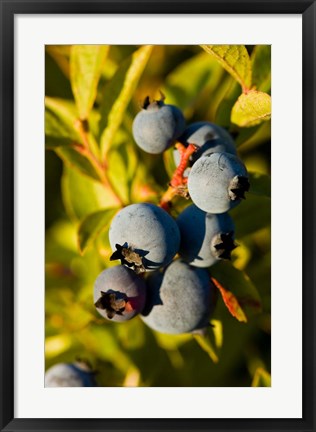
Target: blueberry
209, 137
205, 237
180, 300
144, 237
77, 374
218, 182
157, 126
119, 294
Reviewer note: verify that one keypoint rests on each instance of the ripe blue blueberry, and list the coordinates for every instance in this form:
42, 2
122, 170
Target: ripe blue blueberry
144, 237
77, 374
209, 137
205, 237
180, 300
218, 182
119, 293
157, 126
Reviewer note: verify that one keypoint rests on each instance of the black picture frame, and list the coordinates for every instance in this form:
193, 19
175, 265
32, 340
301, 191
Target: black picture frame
9, 8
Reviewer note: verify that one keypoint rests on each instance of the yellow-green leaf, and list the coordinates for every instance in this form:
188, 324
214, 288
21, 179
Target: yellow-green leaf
92, 225
261, 378
118, 93
235, 59
60, 120
117, 173
251, 109
86, 62
203, 72
83, 195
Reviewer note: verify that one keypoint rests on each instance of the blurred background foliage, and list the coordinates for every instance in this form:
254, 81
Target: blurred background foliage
93, 167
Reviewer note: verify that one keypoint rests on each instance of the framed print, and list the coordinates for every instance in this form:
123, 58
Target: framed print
157, 217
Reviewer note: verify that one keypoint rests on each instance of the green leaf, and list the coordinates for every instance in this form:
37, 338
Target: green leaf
261, 378
251, 109
206, 344
202, 72
174, 342
246, 134
61, 246
82, 195
261, 67
51, 143
131, 335
143, 187
117, 172
118, 93
109, 349
93, 225
86, 62
251, 137
224, 108
235, 59
55, 345
60, 121
56, 78
243, 215
60, 54
239, 293
75, 160
260, 184
130, 174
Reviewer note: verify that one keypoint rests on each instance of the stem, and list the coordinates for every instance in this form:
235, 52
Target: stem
178, 183
186, 153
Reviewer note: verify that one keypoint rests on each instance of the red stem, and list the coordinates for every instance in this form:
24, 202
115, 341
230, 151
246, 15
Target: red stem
177, 185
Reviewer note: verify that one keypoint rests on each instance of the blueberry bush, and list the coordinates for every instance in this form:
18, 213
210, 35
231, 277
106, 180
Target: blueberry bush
158, 208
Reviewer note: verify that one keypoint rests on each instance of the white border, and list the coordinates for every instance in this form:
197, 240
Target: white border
284, 398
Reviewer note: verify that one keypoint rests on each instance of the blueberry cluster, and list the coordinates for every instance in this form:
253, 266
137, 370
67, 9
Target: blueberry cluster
163, 273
